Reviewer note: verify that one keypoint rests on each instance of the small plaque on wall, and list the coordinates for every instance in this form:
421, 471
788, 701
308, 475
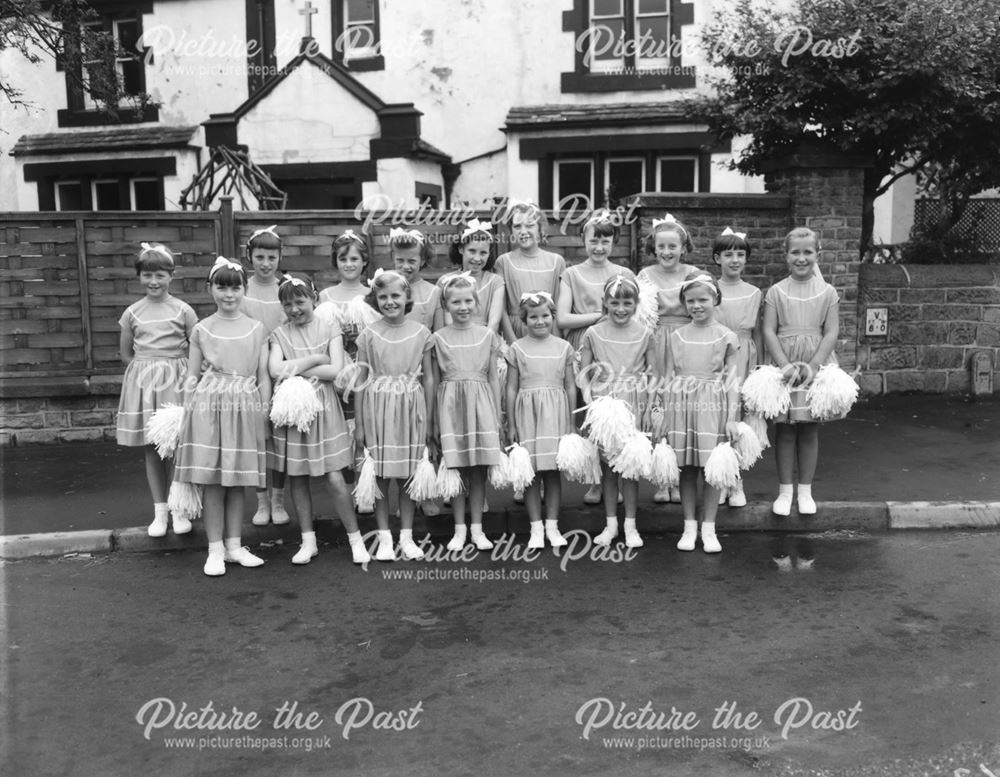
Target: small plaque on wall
877, 322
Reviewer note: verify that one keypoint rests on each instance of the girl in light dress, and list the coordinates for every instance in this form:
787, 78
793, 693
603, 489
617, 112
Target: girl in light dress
411, 252
154, 347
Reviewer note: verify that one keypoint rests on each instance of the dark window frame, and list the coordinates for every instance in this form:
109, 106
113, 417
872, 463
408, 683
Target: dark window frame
338, 21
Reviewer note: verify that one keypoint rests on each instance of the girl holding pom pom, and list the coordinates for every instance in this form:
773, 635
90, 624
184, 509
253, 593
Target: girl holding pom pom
312, 348
668, 242
154, 343
467, 411
616, 358
411, 251
542, 394
801, 325
222, 440
392, 407
350, 259
740, 311
700, 402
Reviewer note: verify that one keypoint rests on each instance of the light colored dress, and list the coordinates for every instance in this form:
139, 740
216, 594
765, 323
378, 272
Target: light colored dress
801, 307
670, 308
586, 284
522, 274
541, 409
326, 446
222, 440
469, 420
261, 302
740, 311
156, 373
395, 407
489, 282
426, 301
695, 401
618, 362
332, 309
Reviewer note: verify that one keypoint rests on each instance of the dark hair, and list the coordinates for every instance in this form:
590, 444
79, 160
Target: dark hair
291, 286
455, 250
701, 279
344, 243
382, 280
228, 276
670, 225
603, 224
526, 304
265, 240
409, 241
730, 242
627, 288
154, 258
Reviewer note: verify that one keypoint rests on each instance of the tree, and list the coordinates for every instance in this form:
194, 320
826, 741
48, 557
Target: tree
70, 32
913, 85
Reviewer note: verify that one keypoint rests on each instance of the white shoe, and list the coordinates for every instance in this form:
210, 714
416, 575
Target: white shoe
243, 557
307, 552
606, 537
537, 539
737, 498
784, 563
804, 563
278, 515
385, 551
688, 538
662, 496
158, 528
633, 539
481, 541
519, 496
593, 496
807, 506
709, 542
457, 542
411, 551
262, 517
555, 538
215, 565
722, 497
359, 553
182, 524
782, 505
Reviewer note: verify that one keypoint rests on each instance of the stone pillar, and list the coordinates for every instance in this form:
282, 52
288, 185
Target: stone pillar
825, 188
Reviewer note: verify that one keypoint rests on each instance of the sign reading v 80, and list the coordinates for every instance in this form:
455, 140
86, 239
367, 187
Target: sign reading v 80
877, 322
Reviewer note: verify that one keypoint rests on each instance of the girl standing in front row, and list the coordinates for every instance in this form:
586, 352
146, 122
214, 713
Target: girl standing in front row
801, 325
154, 346
222, 439
467, 412
541, 395
700, 402
616, 358
312, 347
391, 408
740, 311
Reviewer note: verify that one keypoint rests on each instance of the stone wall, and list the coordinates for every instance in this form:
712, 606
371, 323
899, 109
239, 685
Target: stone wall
938, 317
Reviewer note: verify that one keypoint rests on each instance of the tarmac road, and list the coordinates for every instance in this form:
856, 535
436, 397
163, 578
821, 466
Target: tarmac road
890, 638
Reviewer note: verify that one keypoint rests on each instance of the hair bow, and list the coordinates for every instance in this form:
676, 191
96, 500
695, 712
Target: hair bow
615, 284
475, 226
703, 278
601, 216
537, 297
728, 231
350, 234
390, 274
157, 249
294, 281
398, 233
266, 230
222, 263
668, 218
449, 280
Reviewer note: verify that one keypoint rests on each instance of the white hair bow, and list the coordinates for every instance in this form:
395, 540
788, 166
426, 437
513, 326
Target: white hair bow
601, 216
266, 230
350, 234
294, 281
537, 297
398, 233
222, 263
477, 226
728, 231
157, 249
667, 219
455, 277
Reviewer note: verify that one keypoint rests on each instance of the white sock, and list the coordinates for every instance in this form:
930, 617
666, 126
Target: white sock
689, 537
478, 538
277, 497
457, 542
262, 500
216, 548
359, 553
609, 533
786, 489
805, 491
632, 537
160, 510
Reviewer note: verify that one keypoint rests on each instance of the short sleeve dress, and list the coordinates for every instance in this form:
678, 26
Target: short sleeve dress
426, 300
618, 365
156, 373
801, 308
261, 302
469, 419
586, 284
222, 439
740, 310
523, 274
395, 407
332, 310
486, 288
672, 313
326, 446
541, 410
695, 401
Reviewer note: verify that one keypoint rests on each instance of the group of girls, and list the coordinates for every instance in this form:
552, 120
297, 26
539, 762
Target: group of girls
424, 382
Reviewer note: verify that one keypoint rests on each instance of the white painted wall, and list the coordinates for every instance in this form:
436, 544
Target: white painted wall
397, 180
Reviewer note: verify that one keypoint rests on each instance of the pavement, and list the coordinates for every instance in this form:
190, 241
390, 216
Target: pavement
921, 461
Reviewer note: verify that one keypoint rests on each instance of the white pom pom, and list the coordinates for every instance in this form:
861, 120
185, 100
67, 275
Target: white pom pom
164, 429
358, 313
521, 473
422, 485
833, 392
759, 426
765, 392
295, 403
647, 312
184, 500
366, 489
722, 470
499, 474
449, 482
578, 459
747, 446
609, 423
664, 471
635, 458
501, 370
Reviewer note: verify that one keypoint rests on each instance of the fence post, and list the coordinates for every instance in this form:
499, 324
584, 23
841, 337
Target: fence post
84, 279
228, 227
